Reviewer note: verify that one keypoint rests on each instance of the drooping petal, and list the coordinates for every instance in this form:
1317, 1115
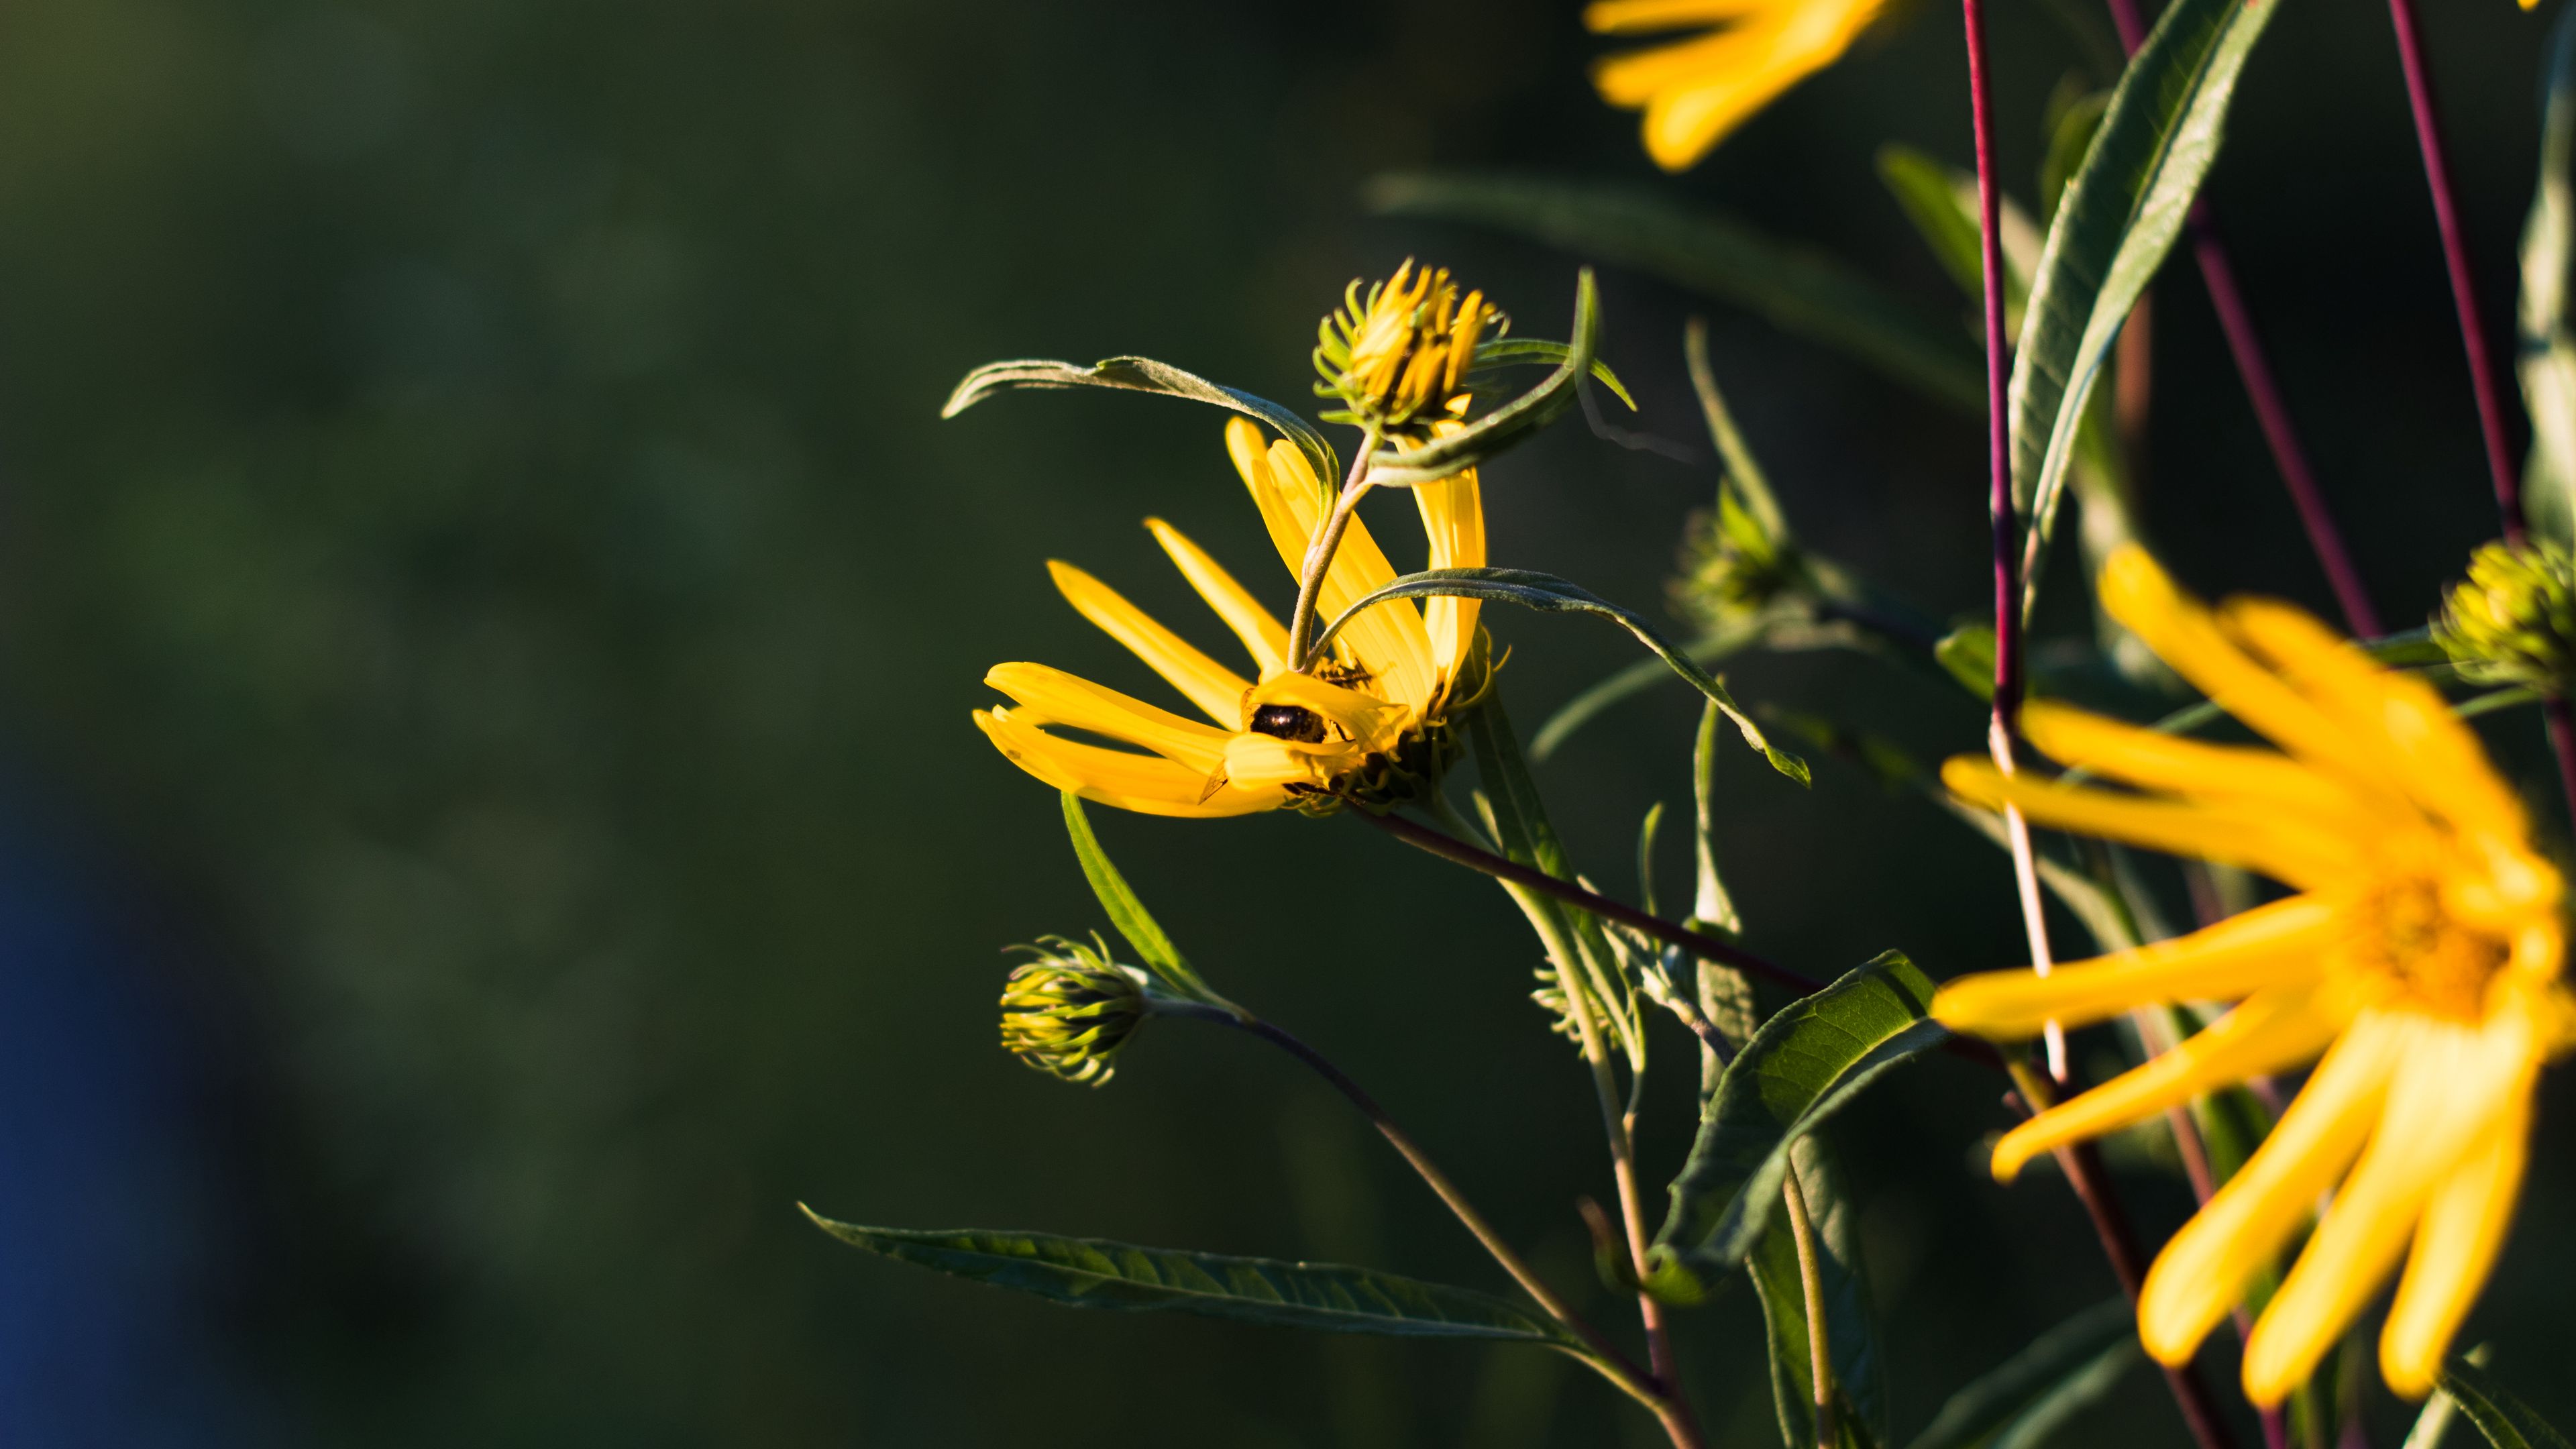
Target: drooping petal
1453, 518
2283, 848
2275, 1029
1052, 696
2202, 1272
1147, 784
1215, 689
2266, 946
1622, 17
1264, 638
2453, 1085
2455, 1248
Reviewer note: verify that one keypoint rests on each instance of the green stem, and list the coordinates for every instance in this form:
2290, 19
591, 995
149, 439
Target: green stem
1811, 1276
1320, 550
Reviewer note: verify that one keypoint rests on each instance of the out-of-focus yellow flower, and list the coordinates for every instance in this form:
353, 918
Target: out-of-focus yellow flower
1696, 90
2420, 955
2513, 621
1363, 720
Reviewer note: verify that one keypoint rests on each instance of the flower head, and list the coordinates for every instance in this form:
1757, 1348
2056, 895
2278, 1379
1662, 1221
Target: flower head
1367, 721
1068, 1012
2419, 956
1696, 90
2514, 620
1398, 358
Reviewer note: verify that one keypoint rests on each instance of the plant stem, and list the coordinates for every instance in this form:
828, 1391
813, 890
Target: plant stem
1320, 550
1811, 1276
2083, 1168
2455, 258
2262, 389
1613, 1364
2001, 518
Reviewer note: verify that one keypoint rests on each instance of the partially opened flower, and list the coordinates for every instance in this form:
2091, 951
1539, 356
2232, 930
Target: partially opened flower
1368, 720
2419, 956
1696, 90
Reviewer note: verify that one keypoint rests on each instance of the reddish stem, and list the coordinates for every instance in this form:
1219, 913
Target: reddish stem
2455, 257
1999, 499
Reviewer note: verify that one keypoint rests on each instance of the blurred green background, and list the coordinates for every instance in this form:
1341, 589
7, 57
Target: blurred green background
488, 616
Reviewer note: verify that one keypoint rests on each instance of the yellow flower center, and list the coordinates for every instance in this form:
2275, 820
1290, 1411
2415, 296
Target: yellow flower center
2417, 955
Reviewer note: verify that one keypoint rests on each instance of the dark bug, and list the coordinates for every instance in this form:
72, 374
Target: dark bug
1289, 722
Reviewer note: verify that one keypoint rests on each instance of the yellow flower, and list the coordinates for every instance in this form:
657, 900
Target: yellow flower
1279, 737
2419, 955
1403, 351
1695, 91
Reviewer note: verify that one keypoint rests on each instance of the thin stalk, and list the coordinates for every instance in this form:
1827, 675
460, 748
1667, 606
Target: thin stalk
2001, 519
2262, 389
1614, 1365
2083, 1168
2455, 259
1811, 1276
1320, 550
2562, 740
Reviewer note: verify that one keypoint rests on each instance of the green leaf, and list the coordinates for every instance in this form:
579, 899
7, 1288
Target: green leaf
1144, 374
2061, 1373
2548, 362
1536, 351
1098, 1273
1941, 201
1968, 652
1715, 256
1504, 426
1804, 1065
2120, 217
1126, 912
2507, 1422
1851, 1339
2073, 120
1551, 595
1635, 679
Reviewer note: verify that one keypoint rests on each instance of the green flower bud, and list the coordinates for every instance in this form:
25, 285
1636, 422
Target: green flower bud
1398, 357
1068, 1012
2514, 620
1731, 571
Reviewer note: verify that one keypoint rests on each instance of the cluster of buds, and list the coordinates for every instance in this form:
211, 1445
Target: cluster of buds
1068, 1012
1398, 358
2514, 620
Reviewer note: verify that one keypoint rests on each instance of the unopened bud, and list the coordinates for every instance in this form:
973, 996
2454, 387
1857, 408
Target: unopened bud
1399, 357
1068, 1012
2514, 620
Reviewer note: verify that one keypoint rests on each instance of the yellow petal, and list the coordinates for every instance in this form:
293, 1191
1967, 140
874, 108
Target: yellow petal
1255, 761
1211, 686
2155, 760
2455, 1248
2275, 1029
1364, 721
2136, 591
2232, 833
1148, 784
2426, 750
2267, 945
1262, 634
1055, 697
2453, 1086
2202, 1272
1453, 518
1620, 17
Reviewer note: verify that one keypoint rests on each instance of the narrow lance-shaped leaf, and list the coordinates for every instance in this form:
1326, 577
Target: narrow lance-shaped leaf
2548, 363
1492, 357
1851, 1335
1552, 595
1126, 912
2506, 1421
2032, 1394
1804, 1065
1798, 290
1144, 374
2120, 217
1122, 1277
1504, 426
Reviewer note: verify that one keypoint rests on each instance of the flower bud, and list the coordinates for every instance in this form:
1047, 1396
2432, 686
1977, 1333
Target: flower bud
2514, 620
1730, 570
1068, 1012
1402, 353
